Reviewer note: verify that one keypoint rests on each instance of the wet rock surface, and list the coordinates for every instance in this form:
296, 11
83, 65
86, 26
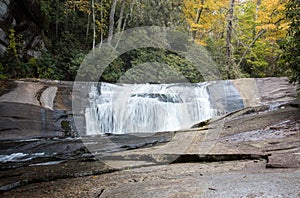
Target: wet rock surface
33, 109
227, 179
253, 152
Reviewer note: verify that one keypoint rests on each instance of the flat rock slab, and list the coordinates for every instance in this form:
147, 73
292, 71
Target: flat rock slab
226, 179
250, 153
259, 133
35, 108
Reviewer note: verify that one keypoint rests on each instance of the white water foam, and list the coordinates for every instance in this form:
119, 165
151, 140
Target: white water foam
19, 157
140, 108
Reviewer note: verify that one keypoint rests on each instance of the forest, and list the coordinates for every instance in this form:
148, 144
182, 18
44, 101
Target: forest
245, 38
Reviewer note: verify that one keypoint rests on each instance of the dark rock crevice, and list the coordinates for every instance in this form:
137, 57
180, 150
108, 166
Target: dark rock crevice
39, 94
32, 11
25, 17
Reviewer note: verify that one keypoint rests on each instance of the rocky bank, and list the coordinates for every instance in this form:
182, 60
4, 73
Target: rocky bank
251, 152
33, 108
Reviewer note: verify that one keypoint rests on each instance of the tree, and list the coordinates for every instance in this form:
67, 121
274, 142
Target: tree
230, 19
112, 20
292, 45
244, 36
205, 18
166, 13
264, 57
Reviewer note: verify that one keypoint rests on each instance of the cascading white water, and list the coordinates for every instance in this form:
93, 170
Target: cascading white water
140, 108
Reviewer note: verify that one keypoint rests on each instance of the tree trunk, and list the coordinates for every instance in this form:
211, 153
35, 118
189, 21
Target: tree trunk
101, 20
124, 23
229, 61
94, 25
260, 33
121, 16
57, 18
197, 20
87, 28
111, 21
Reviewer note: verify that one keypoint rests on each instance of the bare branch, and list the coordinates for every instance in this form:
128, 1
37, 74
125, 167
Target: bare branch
260, 33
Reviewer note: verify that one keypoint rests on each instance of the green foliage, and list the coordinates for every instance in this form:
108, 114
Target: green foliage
2, 72
251, 46
11, 64
167, 13
12, 47
139, 65
215, 51
160, 65
292, 44
114, 71
47, 67
68, 25
65, 125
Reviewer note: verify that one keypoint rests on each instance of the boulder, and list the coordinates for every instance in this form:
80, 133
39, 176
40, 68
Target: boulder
3, 9
3, 37
3, 49
35, 109
265, 91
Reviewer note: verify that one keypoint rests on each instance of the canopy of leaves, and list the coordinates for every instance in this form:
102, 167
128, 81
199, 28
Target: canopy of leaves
292, 43
264, 39
259, 28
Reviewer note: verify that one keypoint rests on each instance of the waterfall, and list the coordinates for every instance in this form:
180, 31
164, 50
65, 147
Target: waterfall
134, 108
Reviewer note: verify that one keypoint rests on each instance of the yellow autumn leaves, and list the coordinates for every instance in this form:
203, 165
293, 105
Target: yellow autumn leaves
207, 18
258, 26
